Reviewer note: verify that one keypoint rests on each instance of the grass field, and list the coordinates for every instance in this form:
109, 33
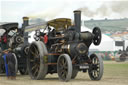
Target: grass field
115, 73
119, 69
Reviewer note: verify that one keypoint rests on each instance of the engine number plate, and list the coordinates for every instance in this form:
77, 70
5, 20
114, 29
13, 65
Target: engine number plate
84, 67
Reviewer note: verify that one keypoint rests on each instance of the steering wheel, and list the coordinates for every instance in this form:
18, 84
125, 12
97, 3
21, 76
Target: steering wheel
97, 35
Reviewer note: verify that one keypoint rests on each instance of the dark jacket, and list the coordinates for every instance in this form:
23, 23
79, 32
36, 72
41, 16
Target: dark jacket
10, 58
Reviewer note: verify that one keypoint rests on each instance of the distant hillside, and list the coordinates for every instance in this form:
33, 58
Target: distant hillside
108, 25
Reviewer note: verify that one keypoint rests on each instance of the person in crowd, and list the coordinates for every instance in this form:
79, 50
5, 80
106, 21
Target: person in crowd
5, 52
10, 60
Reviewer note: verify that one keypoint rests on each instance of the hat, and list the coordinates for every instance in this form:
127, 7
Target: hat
5, 51
9, 49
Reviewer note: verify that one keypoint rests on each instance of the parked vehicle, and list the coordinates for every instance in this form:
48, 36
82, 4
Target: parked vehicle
16, 39
62, 48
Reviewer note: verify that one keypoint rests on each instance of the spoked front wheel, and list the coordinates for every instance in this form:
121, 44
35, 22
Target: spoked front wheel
123, 57
36, 66
64, 67
74, 72
95, 70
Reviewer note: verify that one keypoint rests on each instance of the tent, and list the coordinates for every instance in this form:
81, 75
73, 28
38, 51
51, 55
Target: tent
31, 39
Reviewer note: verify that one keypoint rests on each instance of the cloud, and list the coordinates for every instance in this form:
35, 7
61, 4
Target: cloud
120, 7
48, 9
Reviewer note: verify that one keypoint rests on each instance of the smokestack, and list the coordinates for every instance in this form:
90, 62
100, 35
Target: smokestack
77, 20
25, 23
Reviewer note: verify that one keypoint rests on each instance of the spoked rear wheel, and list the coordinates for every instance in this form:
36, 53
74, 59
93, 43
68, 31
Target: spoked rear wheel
16, 65
36, 65
96, 68
64, 67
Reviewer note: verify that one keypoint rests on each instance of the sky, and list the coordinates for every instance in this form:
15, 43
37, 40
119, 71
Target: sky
14, 10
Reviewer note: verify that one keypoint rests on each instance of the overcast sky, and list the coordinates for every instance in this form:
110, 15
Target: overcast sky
14, 10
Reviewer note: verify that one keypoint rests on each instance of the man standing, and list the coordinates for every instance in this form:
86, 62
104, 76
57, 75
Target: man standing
5, 58
1, 63
10, 60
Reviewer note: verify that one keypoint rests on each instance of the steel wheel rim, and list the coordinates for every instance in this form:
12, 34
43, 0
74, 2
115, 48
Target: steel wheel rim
95, 69
63, 68
34, 60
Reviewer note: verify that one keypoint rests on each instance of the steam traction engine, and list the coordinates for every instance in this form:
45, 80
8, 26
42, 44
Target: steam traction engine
16, 39
62, 48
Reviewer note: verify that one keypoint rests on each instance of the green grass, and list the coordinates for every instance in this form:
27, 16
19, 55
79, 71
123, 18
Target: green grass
116, 69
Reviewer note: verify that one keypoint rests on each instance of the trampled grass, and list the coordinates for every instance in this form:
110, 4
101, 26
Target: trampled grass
115, 73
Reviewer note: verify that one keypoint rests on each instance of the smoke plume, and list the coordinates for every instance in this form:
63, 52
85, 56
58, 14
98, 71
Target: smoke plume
119, 8
47, 13
37, 20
